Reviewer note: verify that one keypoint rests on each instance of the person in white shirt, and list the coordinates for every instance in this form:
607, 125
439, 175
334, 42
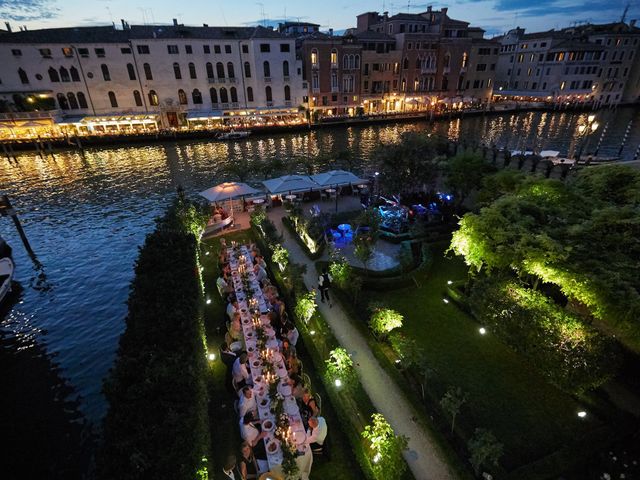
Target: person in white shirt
252, 435
324, 283
293, 335
232, 309
230, 470
260, 273
223, 286
240, 372
317, 432
247, 402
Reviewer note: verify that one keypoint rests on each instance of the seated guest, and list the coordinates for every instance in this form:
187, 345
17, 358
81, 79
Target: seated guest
248, 466
297, 387
227, 356
223, 244
316, 433
223, 287
251, 433
290, 332
260, 273
247, 402
308, 406
235, 328
286, 349
294, 366
260, 261
230, 470
232, 309
240, 371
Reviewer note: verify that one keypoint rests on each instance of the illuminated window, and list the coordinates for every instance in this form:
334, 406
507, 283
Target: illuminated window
314, 58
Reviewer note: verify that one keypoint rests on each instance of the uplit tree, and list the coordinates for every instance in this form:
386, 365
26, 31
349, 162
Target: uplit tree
386, 448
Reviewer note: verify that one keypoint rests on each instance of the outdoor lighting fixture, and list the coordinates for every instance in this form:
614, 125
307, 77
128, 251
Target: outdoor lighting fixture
449, 282
208, 301
207, 252
211, 356
482, 330
594, 126
581, 128
377, 458
397, 360
312, 332
377, 173
582, 414
338, 382
445, 300
591, 118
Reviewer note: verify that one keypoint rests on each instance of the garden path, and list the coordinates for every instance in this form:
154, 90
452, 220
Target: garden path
424, 456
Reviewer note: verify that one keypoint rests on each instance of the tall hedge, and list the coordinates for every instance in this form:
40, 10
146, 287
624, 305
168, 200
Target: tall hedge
156, 425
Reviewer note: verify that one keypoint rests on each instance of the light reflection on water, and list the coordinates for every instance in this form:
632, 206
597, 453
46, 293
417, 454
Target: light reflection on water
86, 216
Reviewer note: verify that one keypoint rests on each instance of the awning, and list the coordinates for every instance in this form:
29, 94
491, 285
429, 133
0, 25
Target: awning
228, 190
337, 178
71, 120
290, 183
214, 114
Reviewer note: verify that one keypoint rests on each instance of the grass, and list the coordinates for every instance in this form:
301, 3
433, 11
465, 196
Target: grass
528, 415
225, 435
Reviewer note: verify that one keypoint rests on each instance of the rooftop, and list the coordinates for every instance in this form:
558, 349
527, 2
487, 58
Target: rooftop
109, 34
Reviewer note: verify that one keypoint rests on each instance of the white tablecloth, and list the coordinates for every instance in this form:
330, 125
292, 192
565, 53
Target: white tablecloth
261, 388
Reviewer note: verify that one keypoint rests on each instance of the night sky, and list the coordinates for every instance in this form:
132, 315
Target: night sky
496, 16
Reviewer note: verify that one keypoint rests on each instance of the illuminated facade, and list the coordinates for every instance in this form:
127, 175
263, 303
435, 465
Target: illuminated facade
594, 64
174, 74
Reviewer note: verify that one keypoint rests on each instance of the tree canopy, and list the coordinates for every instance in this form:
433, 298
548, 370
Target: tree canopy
583, 236
411, 164
464, 173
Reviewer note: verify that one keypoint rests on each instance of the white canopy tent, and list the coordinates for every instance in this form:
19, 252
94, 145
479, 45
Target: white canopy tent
227, 191
290, 183
337, 178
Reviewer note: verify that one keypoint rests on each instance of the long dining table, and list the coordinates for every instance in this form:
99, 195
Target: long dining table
253, 316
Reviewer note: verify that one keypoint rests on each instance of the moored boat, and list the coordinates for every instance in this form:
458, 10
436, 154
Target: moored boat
233, 135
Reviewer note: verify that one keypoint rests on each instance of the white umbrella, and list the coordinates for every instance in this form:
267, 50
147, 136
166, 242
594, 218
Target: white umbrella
336, 177
228, 190
290, 183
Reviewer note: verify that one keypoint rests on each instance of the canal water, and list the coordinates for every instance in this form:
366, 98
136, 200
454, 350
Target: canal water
86, 217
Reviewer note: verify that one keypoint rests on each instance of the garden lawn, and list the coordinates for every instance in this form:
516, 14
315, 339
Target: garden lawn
531, 417
225, 434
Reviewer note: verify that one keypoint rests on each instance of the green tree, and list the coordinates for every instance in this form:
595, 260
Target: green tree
340, 367
306, 306
411, 164
386, 448
505, 181
485, 449
464, 174
451, 403
363, 249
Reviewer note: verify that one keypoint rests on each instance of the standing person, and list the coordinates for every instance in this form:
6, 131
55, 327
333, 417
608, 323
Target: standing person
324, 283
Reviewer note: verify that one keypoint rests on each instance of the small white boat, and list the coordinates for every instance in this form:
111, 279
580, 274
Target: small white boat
6, 276
233, 135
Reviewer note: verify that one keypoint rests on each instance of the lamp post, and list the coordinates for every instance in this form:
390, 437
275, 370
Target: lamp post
584, 131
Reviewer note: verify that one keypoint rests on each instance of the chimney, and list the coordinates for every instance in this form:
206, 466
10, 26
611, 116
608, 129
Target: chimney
429, 9
444, 10
124, 24
331, 32
205, 24
24, 27
175, 22
8, 25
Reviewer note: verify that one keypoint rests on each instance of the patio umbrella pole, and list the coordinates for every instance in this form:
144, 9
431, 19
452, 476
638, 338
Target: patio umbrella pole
336, 192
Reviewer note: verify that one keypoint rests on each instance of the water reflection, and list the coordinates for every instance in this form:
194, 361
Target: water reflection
86, 215
44, 434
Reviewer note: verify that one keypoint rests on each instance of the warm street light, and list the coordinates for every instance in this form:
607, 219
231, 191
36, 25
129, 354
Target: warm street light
584, 131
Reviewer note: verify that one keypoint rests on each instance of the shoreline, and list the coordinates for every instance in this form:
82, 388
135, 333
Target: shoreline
49, 146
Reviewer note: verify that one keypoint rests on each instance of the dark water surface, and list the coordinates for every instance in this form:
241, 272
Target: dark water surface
86, 217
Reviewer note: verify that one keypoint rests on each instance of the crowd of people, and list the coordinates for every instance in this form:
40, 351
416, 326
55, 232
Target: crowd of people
251, 459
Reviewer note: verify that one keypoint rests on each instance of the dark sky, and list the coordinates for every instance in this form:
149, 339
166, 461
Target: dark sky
496, 16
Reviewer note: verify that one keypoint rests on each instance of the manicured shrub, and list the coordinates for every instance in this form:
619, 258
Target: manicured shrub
386, 448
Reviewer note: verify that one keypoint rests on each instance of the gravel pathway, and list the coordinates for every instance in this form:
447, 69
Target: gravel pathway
423, 456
